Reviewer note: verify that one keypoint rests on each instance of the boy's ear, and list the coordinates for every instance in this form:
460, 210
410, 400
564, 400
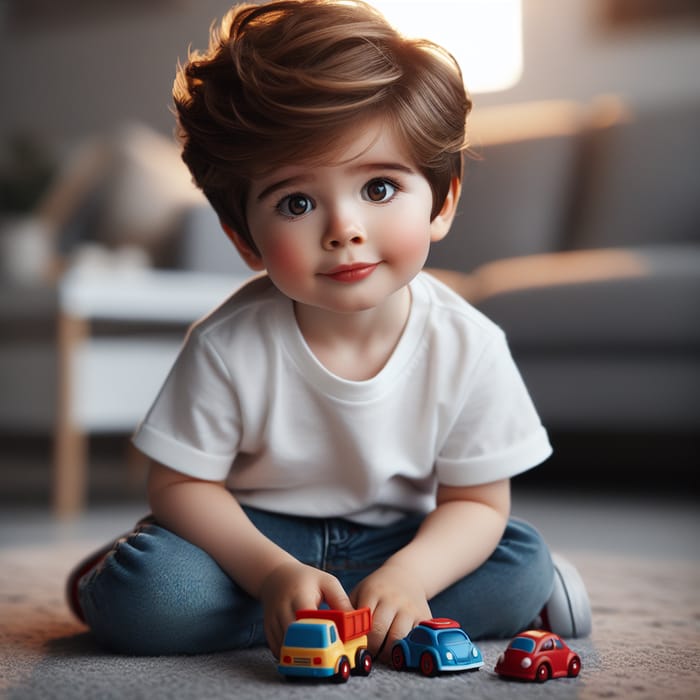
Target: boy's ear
440, 225
250, 257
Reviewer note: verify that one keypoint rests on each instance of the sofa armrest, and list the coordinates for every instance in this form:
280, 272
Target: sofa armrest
629, 298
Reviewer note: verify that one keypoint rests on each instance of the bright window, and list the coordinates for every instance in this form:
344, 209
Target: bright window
485, 36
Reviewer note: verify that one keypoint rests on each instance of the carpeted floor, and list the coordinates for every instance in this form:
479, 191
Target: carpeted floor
640, 560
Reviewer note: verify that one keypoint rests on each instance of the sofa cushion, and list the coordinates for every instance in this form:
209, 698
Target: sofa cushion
202, 245
516, 192
639, 179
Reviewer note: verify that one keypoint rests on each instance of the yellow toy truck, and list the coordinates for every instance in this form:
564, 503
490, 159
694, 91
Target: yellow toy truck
327, 643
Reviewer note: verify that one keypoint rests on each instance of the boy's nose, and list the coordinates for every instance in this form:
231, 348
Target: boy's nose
340, 234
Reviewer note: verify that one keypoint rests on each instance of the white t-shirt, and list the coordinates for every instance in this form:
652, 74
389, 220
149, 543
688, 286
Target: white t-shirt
248, 402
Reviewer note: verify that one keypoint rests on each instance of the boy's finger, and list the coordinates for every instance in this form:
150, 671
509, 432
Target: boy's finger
380, 628
336, 597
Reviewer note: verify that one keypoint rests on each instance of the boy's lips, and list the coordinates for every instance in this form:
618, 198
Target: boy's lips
351, 273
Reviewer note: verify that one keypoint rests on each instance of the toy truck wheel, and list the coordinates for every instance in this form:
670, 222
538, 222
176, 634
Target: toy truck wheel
574, 667
343, 672
542, 673
398, 658
363, 663
428, 666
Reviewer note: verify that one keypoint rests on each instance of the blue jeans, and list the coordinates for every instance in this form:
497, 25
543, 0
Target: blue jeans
155, 593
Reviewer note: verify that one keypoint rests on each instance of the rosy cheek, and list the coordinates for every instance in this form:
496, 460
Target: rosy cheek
408, 243
285, 259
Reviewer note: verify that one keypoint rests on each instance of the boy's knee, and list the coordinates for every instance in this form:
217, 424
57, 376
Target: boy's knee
501, 597
524, 547
156, 594
532, 574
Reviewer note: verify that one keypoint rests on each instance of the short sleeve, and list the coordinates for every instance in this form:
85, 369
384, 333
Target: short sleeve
194, 424
497, 433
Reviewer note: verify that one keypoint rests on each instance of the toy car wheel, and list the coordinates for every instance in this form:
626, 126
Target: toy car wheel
343, 672
363, 665
398, 658
428, 666
542, 673
574, 667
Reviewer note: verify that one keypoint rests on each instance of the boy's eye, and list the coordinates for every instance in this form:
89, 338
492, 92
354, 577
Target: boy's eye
379, 190
294, 205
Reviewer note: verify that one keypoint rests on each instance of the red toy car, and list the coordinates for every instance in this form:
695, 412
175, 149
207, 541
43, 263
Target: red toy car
537, 655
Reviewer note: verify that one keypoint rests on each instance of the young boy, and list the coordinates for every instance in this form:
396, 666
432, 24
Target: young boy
343, 429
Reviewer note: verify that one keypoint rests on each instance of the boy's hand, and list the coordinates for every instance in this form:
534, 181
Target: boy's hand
296, 586
398, 604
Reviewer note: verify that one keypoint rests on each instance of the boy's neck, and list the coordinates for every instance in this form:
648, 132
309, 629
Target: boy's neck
355, 345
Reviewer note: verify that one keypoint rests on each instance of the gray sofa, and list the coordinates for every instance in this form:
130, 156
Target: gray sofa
579, 233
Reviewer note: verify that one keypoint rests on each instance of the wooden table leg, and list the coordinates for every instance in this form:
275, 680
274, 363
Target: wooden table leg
70, 478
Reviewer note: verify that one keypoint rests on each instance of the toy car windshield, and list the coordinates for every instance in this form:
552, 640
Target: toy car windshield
523, 644
306, 636
450, 638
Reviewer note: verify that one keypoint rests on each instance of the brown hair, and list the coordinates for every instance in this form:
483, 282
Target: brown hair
282, 82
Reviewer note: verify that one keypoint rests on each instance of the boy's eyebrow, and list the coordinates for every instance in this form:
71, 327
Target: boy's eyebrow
401, 167
279, 184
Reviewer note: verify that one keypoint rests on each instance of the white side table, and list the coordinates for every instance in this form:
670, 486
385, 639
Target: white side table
107, 383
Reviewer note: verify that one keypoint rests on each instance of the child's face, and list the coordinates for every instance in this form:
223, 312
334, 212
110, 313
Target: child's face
345, 235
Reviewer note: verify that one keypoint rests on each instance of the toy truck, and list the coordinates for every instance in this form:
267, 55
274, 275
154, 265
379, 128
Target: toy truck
327, 643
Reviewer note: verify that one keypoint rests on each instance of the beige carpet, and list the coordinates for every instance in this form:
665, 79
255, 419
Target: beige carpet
646, 644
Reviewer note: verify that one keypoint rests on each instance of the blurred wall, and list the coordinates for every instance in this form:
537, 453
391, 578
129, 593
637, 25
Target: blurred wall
74, 72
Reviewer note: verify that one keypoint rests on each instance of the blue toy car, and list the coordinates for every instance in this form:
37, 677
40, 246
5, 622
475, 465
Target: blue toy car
436, 645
